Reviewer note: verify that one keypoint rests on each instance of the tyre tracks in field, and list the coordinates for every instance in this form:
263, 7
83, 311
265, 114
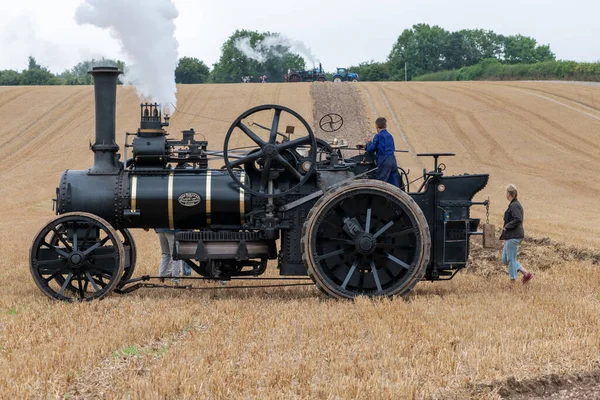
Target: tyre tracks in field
450, 116
500, 106
51, 126
584, 104
521, 114
390, 111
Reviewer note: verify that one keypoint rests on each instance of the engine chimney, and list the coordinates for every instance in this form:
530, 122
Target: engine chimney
105, 149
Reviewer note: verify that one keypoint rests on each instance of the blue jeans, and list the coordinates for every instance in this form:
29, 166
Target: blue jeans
187, 270
509, 257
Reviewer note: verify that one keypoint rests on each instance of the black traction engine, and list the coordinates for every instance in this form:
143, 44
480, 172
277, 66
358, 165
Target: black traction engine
311, 206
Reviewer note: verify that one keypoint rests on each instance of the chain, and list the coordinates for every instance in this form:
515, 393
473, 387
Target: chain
487, 211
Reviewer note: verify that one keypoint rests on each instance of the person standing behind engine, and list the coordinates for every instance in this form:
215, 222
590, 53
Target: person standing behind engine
168, 268
383, 146
514, 234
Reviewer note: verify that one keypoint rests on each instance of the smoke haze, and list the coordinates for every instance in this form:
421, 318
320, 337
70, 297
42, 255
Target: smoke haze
145, 30
271, 44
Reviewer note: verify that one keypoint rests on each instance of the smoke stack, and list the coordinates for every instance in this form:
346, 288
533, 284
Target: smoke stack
105, 93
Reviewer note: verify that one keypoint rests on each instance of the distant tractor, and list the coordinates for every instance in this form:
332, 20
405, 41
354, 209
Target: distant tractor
311, 75
342, 75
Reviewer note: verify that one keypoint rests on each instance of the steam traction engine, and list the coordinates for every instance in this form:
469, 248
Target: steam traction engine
297, 201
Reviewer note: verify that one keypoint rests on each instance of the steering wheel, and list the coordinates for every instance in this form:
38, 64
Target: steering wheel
270, 151
331, 122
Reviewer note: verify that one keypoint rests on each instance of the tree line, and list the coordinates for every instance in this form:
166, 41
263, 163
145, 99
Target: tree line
189, 70
425, 49
491, 69
422, 49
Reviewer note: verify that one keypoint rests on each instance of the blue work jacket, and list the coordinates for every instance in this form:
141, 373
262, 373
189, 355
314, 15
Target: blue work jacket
382, 145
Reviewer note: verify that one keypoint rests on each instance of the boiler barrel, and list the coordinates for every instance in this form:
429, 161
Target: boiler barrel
177, 199
189, 201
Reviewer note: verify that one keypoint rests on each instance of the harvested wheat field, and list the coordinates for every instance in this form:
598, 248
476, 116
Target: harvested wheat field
470, 337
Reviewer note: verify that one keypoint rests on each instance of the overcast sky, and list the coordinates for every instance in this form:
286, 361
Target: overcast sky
339, 32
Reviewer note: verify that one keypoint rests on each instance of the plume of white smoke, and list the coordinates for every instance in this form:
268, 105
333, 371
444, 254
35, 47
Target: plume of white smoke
145, 30
243, 45
274, 44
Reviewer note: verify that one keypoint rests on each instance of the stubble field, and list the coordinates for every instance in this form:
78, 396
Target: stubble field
453, 339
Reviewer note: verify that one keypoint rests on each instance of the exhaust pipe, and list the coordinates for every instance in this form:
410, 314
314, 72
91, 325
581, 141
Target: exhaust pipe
105, 148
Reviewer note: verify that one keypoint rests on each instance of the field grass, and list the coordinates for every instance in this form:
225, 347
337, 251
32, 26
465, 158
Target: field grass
446, 340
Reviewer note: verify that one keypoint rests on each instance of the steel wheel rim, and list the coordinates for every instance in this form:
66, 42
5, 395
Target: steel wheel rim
384, 270
79, 272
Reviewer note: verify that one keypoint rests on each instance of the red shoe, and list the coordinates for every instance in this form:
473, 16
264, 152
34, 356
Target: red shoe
527, 278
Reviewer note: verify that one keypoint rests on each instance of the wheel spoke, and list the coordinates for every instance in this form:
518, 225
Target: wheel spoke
285, 164
80, 285
104, 256
249, 158
251, 134
91, 280
53, 276
59, 236
294, 143
65, 283
397, 261
338, 240
399, 233
98, 244
275, 126
60, 252
75, 241
50, 262
395, 246
382, 230
376, 277
368, 221
350, 274
331, 254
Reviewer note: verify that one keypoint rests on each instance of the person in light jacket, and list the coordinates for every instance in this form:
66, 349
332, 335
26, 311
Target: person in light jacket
513, 234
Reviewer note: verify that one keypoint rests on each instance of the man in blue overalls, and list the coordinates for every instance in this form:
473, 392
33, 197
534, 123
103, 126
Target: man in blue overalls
383, 146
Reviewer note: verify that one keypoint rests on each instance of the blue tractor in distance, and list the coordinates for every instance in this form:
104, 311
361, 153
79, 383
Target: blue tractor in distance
342, 75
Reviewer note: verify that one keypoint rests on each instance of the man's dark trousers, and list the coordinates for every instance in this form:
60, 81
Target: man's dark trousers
387, 170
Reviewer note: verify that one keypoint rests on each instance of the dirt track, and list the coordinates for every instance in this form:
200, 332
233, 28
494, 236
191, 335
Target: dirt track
292, 343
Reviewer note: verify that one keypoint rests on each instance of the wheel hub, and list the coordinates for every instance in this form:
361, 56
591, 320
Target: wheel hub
76, 259
270, 151
365, 243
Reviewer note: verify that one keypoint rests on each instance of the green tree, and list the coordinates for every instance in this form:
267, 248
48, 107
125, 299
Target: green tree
234, 64
9, 78
35, 74
191, 70
78, 75
423, 47
519, 49
371, 71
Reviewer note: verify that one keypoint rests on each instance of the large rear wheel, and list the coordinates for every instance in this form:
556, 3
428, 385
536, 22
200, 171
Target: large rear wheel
366, 238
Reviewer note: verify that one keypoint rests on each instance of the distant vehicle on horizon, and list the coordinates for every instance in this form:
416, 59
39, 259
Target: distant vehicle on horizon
342, 75
311, 75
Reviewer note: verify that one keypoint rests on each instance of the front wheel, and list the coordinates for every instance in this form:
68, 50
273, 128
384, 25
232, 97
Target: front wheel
337, 79
366, 238
77, 256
